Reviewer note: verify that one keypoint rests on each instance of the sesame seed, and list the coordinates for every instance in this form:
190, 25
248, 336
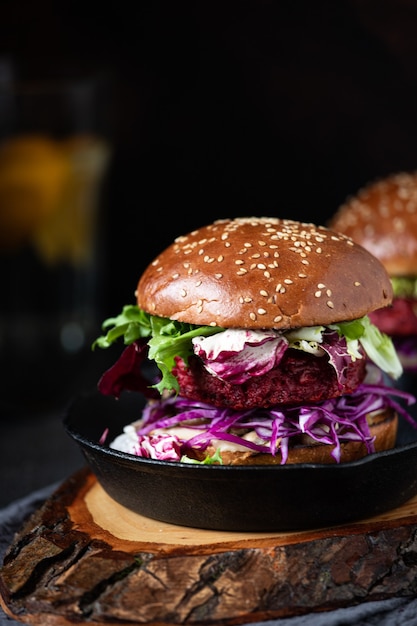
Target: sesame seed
239, 262
220, 258
288, 281
252, 316
329, 292
278, 318
302, 275
218, 276
263, 293
267, 274
261, 311
356, 283
198, 283
183, 293
247, 299
261, 266
241, 271
321, 286
318, 294
175, 276
330, 304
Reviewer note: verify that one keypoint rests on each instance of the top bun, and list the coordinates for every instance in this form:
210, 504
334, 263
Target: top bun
263, 273
382, 217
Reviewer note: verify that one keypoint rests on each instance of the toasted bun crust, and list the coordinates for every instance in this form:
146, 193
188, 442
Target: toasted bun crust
263, 273
382, 217
383, 427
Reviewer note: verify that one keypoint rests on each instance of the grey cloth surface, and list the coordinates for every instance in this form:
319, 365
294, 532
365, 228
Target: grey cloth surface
392, 612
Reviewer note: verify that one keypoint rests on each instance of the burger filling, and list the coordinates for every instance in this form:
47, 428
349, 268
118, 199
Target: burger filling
399, 321
298, 377
240, 389
178, 429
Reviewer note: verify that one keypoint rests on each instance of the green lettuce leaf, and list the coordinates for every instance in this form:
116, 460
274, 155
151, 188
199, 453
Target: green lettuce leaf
404, 287
171, 339
131, 324
377, 345
216, 459
167, 339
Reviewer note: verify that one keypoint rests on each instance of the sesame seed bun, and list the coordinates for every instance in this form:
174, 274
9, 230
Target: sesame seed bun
382, 217
263, 273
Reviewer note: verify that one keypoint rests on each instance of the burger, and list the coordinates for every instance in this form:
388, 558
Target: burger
382, 217
251, 342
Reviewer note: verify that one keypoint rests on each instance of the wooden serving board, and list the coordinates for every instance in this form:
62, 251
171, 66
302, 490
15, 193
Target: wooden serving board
83, 558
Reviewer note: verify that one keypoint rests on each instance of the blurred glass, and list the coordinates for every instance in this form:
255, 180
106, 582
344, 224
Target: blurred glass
54, 157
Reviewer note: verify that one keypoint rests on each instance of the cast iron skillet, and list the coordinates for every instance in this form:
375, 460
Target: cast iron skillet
240, 498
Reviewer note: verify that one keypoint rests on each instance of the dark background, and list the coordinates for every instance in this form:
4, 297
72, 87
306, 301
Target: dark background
215, 110
228, 109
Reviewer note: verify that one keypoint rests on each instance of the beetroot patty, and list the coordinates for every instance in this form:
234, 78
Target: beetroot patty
299, 378
398, 319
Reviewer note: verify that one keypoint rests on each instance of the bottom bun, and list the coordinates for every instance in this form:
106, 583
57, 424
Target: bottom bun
382, 426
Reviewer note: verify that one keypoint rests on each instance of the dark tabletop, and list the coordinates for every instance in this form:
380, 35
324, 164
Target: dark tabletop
393, 612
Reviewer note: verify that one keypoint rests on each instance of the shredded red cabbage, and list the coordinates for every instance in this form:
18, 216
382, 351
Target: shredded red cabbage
236, 356
339, 357
331, 422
